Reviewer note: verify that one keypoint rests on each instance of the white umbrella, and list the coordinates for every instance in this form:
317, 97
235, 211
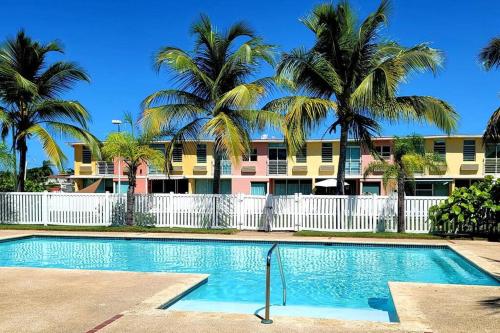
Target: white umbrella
328, 183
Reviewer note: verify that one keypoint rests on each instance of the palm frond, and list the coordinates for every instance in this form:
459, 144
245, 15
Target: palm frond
230, 134
241, 97
490, 54
492, 133
420, 108
59, 110
49, 145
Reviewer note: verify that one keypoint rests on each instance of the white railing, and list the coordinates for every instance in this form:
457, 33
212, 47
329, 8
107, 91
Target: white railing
277, 167
491, 166
105, 168
244, 212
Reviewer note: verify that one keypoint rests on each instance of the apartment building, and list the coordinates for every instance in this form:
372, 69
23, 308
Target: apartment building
269, 168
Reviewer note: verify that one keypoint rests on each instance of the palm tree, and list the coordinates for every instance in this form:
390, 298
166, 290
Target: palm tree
214, 96
30, 107
134, 150
409, 158
352, 74
490, 57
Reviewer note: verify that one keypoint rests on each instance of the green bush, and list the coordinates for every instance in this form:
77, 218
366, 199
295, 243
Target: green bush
474, 210
144, 219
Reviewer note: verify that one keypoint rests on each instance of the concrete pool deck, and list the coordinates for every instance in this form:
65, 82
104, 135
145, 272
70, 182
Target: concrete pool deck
55, 300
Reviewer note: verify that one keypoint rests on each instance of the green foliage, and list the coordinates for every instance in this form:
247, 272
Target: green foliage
490, 57
35, 179
353, 74
474, 209
133, 150
214, 96
7, 181
409, 158
144, 219
30, 99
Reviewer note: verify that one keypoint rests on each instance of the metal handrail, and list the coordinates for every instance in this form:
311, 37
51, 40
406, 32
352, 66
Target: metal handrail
266, 319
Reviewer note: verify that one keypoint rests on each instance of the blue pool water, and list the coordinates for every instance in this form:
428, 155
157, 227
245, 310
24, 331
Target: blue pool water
342, 281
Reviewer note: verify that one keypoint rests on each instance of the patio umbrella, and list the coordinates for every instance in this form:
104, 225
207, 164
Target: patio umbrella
328, 183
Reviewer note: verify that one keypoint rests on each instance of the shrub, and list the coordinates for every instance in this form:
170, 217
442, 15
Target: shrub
475, 209
144, 219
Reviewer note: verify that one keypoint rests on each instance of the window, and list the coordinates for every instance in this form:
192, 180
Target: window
252, 157
326, 152
423, 189
258, 188
201, 153
205, 186
353, 160
301, 156
469, 150
292, 186
383, 151
177, 153
440, 148
86, 155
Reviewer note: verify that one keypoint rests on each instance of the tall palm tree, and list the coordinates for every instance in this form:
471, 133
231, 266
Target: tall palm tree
352, 74
214, 95
134, 149
30, 104
490, 57
409, 158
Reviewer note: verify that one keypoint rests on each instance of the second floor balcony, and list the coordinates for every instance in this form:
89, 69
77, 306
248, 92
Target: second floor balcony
105, 168
277, 167
492, 166
353, 167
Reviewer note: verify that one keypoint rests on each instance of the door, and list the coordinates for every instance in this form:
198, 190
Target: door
258, 188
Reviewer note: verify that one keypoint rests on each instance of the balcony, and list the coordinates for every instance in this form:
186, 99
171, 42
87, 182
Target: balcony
104, 168
277, 167
155, 171
491, 166
353, 167
225, 167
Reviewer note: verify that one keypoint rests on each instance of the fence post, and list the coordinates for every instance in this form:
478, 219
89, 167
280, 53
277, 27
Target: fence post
298, 212
45, 208
171, 209
107, 208
241, 215
374, 213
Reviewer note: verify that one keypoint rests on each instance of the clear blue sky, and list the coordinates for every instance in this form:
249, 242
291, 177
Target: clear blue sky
115, 42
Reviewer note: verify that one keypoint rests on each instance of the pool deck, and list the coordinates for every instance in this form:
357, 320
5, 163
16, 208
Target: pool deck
56, 300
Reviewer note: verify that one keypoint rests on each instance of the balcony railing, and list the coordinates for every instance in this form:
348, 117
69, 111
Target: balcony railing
353, 167
225, 167
105, 168
277, 167
491, 166
155, 171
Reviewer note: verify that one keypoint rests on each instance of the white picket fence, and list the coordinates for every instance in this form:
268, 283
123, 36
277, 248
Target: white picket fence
244, 212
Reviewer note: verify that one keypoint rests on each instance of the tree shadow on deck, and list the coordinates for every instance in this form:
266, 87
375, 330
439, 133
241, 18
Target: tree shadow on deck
492, 303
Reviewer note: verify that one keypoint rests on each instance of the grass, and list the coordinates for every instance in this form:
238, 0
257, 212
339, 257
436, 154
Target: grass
391, 235
117, 229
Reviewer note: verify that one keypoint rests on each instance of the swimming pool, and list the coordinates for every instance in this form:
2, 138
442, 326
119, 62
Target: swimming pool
345, 281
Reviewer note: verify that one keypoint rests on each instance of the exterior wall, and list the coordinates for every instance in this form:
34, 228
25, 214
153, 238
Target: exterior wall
78, 162
260, 164
244, 185
241, 183
314, 161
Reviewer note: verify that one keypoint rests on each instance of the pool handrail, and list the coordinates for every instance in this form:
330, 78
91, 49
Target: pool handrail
266, 319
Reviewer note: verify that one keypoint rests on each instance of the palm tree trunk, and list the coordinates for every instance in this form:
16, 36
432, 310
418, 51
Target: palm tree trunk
217, 160
129, 218
21, 175
344, 131
401, 204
